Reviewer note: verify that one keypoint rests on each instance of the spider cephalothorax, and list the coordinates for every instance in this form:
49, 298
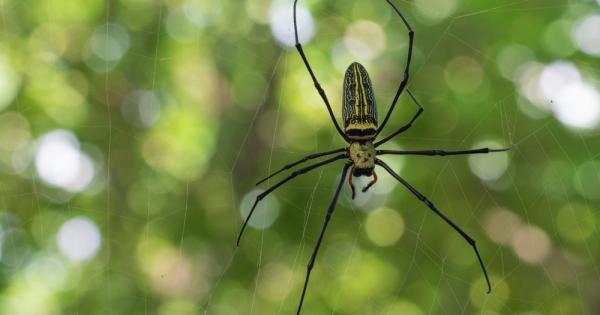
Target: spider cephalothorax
359, 113
362, 156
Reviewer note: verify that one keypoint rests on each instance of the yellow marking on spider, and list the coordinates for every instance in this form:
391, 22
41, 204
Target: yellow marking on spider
356, 109
364, 96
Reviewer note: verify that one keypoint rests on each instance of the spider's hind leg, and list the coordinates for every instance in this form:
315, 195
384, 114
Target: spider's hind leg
433, 208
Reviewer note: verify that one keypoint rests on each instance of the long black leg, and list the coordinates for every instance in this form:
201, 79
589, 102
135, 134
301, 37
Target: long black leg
304, 159
411, 36
268, 191
311, 262
405, 127
443, 216
441, 152
314, 78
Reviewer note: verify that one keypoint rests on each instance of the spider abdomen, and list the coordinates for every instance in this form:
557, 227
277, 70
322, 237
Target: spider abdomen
358, 105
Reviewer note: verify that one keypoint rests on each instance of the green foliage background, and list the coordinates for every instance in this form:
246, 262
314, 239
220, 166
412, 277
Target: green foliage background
223, 103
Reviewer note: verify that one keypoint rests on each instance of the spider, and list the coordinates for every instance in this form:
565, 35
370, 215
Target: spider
359, 114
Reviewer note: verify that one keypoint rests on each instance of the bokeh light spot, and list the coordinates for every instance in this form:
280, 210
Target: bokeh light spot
578, 105
60, 163
384, 226
266, 211
341, 56
501, 225
527, 78
511, 57
14, 135
490, 302
365, 39
531, 244
78, 239
9, 82
556, 76
489, 167
435, 11
587, 180
576, 222
557, 38
274, 280
463, 74
258, 10
574, 102
179, 26
202, 13
554, 177
141, 108
587, 34
170, 272
110, 42
282, 27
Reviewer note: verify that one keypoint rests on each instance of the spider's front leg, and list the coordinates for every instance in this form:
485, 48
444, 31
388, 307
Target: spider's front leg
404, 82
314, 77
405, 127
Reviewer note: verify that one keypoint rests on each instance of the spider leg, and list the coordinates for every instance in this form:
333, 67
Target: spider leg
313, 257
304, 159
441, 152
351, 185
270, 189
314, 78
371, 183
441, 215
405, 127
404, 81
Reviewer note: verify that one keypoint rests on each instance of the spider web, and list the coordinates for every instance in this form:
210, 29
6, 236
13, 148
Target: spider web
433, 269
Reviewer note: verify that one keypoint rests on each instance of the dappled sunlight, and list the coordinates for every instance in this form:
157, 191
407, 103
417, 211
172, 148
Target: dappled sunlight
133, 134
60, 163
78, 239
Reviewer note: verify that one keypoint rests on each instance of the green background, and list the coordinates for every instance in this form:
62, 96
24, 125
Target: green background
132, 133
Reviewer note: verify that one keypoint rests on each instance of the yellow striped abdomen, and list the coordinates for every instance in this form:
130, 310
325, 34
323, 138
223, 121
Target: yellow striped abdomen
358, 105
